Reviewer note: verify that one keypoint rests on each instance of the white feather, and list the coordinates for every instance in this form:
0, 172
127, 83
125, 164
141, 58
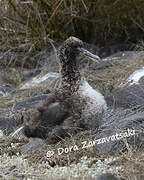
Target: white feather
95, 106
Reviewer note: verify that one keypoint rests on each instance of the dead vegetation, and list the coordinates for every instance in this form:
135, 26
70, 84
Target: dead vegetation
35, 163
27, 26
133, 165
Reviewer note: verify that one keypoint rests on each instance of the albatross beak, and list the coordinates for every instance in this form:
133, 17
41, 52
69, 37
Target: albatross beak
89, 55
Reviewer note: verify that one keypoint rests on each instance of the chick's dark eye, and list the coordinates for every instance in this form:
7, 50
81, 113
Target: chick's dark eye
76, 49
68, 51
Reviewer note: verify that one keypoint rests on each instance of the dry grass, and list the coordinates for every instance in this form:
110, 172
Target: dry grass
35, 164
27, 27
133, 165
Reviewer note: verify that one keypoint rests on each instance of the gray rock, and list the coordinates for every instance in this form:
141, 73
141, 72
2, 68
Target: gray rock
50, 76
114, 49
117, 129
25, 75
1, 133
128, 97
8, 123
125, 55
38, 80
32, 144
5, 89
135, 77
18, 134
107, 176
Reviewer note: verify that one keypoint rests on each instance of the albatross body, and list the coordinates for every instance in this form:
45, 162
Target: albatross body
75, 105
91, 103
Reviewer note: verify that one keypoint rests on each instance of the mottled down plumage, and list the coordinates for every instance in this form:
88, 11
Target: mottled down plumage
74, 106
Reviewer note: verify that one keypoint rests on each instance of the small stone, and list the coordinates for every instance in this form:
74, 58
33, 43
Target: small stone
107, 176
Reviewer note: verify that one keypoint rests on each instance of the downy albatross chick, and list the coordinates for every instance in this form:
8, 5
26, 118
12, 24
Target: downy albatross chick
74, 106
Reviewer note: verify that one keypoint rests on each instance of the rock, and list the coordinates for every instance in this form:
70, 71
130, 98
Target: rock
135, 77
1, 133
30, 102
127, 55
131, 93
38, 80
107, 176
128, 97
32, 145
120, 58
113, 49
117, 129
17, 134
25, 75
49, 76
5, 89
8, 123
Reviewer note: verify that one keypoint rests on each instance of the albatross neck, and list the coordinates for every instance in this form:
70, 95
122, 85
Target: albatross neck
71, 76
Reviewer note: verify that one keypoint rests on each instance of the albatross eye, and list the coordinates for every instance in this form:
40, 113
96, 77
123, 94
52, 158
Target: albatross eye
67, 51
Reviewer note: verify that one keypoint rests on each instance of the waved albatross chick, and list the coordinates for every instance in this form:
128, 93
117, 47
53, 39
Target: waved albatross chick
74, 106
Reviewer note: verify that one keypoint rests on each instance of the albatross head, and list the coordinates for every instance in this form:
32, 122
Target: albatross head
72, 48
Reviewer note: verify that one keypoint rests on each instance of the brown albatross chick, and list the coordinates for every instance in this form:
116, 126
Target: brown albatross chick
74, 106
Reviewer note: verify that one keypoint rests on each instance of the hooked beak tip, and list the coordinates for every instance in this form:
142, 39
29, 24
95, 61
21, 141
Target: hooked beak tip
89, 55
